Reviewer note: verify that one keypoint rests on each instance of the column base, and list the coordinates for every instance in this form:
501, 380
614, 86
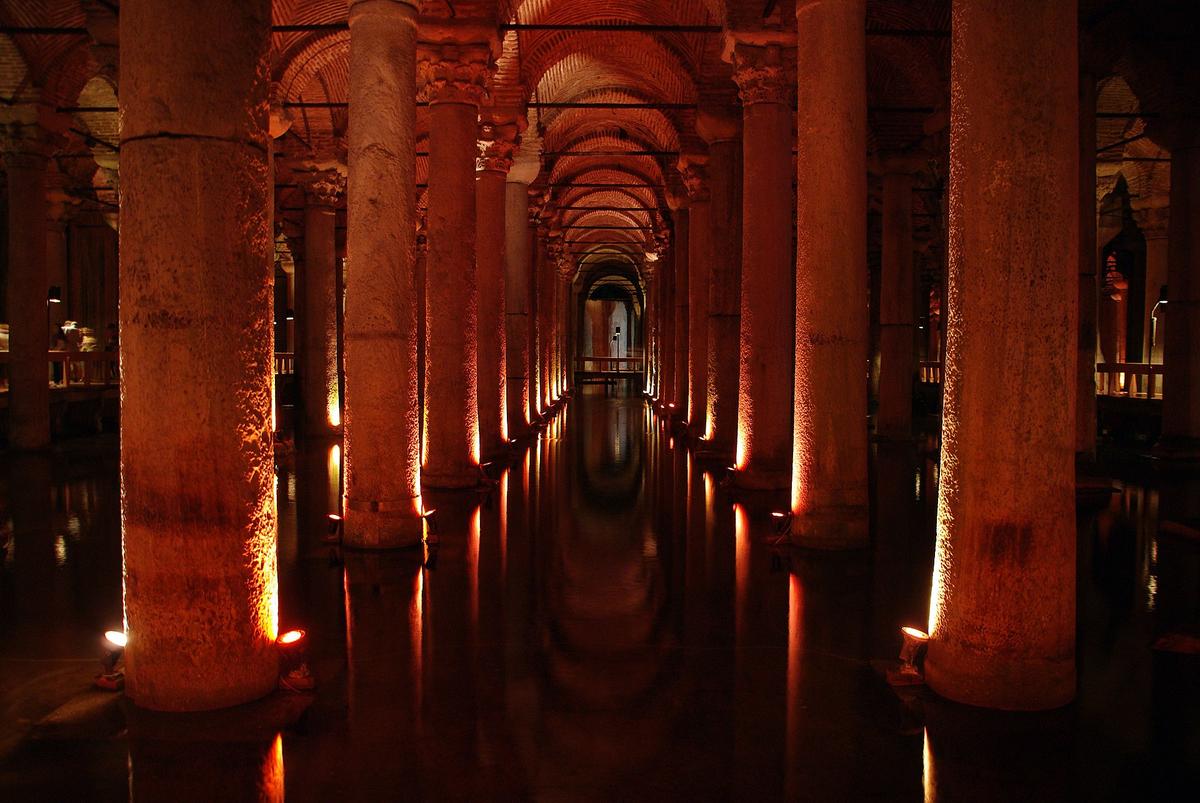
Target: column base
752, 479
1177, 450
451, 480
713, 453
830, 528
383, 524
997, 680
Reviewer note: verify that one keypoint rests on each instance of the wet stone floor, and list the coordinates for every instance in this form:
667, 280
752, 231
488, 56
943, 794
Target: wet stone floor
606, 623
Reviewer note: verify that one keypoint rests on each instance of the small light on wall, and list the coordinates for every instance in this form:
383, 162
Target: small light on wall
54, 295
290, 315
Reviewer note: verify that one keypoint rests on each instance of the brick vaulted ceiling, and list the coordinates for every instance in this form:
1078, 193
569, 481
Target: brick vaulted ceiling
667, 59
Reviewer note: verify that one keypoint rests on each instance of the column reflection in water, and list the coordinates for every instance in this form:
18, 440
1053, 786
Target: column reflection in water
166, 764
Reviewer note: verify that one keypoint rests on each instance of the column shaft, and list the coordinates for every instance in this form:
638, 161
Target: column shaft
829, 482
493, 409
382, 433
724, 296
320, 402
682, 265
700, 253
1181, 353
1089, 299
1002, 612
666, 316
516, 295
894, 419
197, 476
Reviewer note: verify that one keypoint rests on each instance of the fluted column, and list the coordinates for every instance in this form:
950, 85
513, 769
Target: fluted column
896, 342
455, 78
829, 479
723, 135
1002, 612
382, 433
197, 478
28, 366
518, 268
321, 411
678, 403
496, 149
700, 252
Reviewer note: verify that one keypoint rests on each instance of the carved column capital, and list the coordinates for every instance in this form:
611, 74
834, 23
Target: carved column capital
764, 74
496, 145
454, 73
22, 144
1152, 219
322, 187
693, 169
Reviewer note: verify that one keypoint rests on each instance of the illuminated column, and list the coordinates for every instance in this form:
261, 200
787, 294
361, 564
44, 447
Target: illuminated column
700, 253
723, 135
896, 374
1181, 353
678, 403
28, 366
765, 79
382, 434
496, 148
666, 306
546, 287
829, 464
318, 368
455, 79
197, 475
566, 274
1002, 612
517, 285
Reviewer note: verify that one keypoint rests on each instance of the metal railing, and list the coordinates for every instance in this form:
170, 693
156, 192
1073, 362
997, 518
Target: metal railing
1131, 380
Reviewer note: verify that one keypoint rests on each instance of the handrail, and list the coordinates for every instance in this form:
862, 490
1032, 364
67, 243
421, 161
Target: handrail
1133, 380
610, 364
285, 362
931, 373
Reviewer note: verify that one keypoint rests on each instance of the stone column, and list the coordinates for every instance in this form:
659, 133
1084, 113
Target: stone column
197, 477
496, 149
517, 275
829, 481
455, 83
1088, 332
547, 282
723, 135
379, 330
765, 79
1181, 346
666, 307
700, 253
1002, 612
1152, 217
320, 402
28, 366
59, 208
896, 342
678, 403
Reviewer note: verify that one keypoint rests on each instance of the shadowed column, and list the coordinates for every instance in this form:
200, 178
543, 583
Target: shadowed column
678, 403
382, 433
765, 78
196, 444
518, 267
829, 479
693, 166
1181, 354
496, 147
1002, 612
318, 325
454, 77
894, 419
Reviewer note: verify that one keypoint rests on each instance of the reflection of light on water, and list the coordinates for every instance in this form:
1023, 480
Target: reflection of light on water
649, 546
1152, 578
73, 527
917, 490
927, 769
272, 773
60, 551
291, 488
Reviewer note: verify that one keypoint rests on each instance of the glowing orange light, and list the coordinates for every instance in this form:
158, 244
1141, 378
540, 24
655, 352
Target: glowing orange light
291, 637
778, 514
116, 637
335, 414
913, 632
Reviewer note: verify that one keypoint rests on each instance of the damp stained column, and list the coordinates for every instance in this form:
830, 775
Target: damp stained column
197, 478
666, 316
765, 79
1002, 612
678, 403
518, 267
700, 242
896, 374
829, 481
1181, 352
28, 363
454, 77
723, 135
382, 432
322, 412
1089, 298
496, 148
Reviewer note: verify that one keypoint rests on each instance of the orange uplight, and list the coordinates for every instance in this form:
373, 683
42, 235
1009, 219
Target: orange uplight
290, 637
117, 638
776, 514
912, 632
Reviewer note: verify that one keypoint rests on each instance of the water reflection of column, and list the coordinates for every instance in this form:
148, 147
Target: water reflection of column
163, 766
385, 670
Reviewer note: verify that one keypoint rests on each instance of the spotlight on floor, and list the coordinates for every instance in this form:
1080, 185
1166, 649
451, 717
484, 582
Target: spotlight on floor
912, 653
333, 534
113, 676
294, 674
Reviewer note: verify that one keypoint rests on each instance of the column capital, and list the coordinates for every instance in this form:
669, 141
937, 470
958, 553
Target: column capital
23, 142
527, 161
764, 73
323, 187
715, 124
1152, 218
454, 72
693, 169
496, 144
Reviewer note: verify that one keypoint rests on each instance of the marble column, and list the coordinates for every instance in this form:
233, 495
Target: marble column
382, 504
1088, 332
678, 403
829, 481
28, 366
518, 267
320, 402
723, 135
455, 78
1002, 610
546, 288
197, 457
496, 149
1181, 346
765, 79
700, 252
896, 341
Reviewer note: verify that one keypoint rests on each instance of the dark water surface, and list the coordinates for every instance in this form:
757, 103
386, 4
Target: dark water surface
605, 624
